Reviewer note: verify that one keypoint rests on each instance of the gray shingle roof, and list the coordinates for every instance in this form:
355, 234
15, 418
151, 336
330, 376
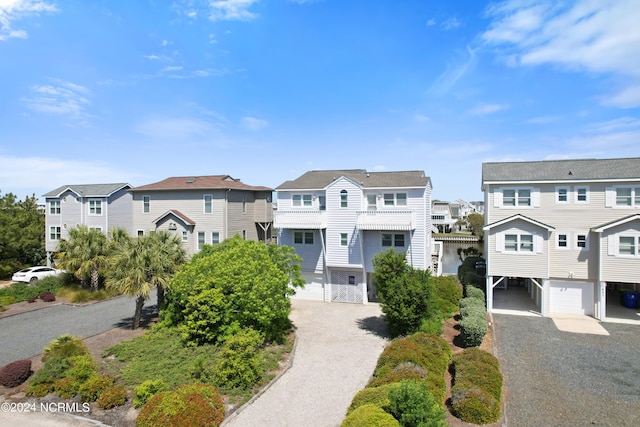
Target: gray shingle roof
89, 190
320, 179
562, 170
207, 182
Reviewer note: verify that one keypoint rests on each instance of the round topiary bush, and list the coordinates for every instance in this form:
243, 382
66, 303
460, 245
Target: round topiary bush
146, 390
370, 415
112, 397
378, 396
47, 296
94, 386
474, 405
15, 373
191, 405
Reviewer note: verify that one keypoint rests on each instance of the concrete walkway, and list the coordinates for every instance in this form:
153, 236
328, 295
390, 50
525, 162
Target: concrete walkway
337, 350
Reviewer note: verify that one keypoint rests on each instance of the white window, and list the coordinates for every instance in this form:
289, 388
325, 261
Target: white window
395, 199
582, 241
516, 198
511, 242
343, 239
526, 243
627, 197
185, 236
303, 237
562, 195
388, 199
215, 238
371, 202
146, 203
387, 239
140, 233
396, 240
344, 199
562, 241
628, 245
322, 202
582, 194
401, 199
200, 239
54, 233
302, 200
95, 207
208, 203
518, 243
54, 207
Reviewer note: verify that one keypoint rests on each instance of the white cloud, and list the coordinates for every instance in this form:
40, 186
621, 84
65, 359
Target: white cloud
454, 71
14, 10
600, 37
227, 10
450, 23
431, 22
180, 128
542, 120
253, 123
64, 98
421, 118
484, 109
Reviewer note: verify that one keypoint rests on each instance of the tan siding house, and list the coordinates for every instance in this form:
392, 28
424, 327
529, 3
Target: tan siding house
203, 209
584, 214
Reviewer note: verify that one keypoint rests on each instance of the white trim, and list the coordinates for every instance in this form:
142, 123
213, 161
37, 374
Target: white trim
586, 241
576, 193
567, 195
567, 240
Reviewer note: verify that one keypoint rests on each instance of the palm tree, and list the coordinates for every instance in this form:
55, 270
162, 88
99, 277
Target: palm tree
84, 253
166, 255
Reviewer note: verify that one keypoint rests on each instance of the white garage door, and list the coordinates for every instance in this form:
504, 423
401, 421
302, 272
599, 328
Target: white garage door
313, 290
571, 298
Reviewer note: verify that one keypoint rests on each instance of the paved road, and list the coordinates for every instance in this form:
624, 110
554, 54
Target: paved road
25, 335
556, 378
337, 350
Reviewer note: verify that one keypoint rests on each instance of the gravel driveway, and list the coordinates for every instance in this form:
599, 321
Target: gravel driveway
555, 378
337, 349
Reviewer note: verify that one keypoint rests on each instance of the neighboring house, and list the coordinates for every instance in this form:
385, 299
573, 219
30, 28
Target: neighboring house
337, 220
203, 209
441, 216
569, 230
99, 206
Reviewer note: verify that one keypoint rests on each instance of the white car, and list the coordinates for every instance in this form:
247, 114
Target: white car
33, 274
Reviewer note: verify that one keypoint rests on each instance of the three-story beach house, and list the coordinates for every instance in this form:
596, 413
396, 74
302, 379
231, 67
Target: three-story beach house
567, 230
337, 220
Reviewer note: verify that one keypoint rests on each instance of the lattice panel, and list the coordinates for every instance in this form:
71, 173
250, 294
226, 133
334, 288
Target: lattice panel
342, 291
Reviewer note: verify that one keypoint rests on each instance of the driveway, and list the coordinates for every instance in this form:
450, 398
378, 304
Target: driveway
556, 378
337, 350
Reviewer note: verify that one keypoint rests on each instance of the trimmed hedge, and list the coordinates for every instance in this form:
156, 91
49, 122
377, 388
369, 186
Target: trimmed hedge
15, 373
474, 292
112, 397
190, 405
474, 405
467, 272
413, 405
370, 415
378, 396
473, 318
94, 387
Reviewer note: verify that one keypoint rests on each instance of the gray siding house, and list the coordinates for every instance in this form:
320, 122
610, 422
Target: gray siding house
99, 206
203, 209
567, 230
337, 220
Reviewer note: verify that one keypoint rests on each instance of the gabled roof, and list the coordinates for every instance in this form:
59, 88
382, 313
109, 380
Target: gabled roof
175, 213
89, 190
210, 182
518, 217
617, 222
320, 179
562, 170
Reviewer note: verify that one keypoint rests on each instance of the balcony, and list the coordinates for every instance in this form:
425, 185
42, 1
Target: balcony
305, 219
386, 220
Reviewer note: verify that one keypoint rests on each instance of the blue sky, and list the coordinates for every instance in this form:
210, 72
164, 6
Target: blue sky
264, 90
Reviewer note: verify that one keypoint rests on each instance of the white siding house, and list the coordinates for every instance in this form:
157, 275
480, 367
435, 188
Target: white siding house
203, 209
568, 230
99, 206
337, 220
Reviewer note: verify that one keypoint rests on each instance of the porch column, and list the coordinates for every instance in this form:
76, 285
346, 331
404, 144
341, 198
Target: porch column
544, 298
489, 292
601, 307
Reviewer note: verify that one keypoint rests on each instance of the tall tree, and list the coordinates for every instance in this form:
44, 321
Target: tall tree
21, 233
476, 222
166, 255
85, 253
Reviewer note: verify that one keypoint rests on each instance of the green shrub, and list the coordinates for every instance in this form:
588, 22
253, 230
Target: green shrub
64, 347
93, 387
239, 364
22, 291
448, 288
190, 405
403, 371
413, 405
369, 415
431, 326
39, 389
378, 396
82, 368
472, 310
112, 397
467, 272
66, 388
472, 302
7, 300
480, 369
474, 405
474, 292
146, 390
472, 330
53, 370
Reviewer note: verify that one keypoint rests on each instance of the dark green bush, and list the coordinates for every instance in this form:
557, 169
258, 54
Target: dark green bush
53, 370
146, 390
378, 396
15, 373
112, 397
370, 415
473, 329
22, 291
93, 387
403, 371
467, 272
480, 369
192, 405
413, 405
448, 288
240, 364
474, 405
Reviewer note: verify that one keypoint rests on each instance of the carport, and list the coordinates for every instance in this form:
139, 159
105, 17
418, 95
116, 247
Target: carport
516, 295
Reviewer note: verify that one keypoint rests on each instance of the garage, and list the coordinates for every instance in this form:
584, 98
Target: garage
313, 288
571, 297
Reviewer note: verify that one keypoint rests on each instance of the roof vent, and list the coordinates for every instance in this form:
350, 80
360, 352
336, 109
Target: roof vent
570, 173
191, 181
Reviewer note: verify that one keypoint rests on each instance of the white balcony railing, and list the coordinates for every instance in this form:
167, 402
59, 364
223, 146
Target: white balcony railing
390, 220
312, 219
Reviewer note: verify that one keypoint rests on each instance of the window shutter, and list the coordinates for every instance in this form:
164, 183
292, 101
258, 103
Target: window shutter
497, 198
500, 242
539, 243
611, 243
535, 197
609, 197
